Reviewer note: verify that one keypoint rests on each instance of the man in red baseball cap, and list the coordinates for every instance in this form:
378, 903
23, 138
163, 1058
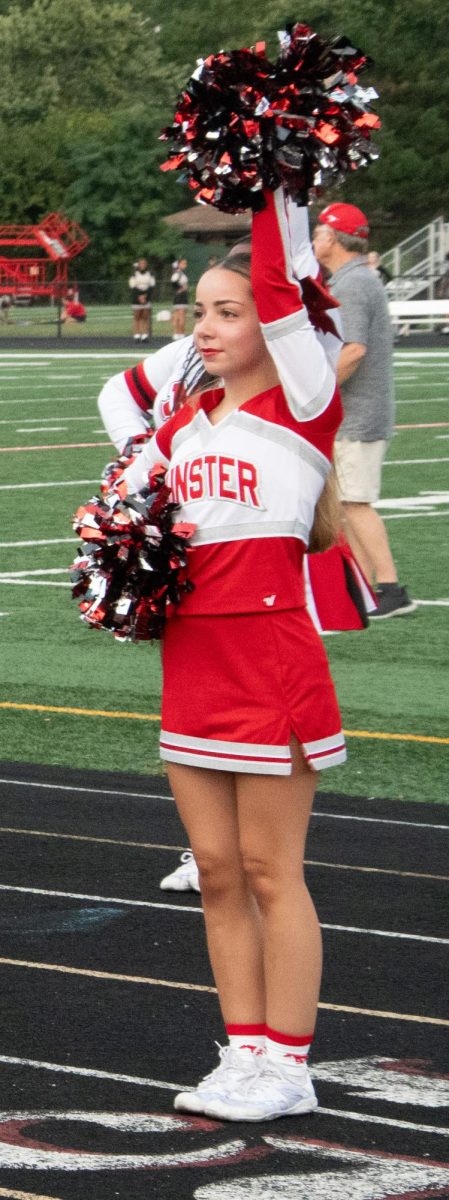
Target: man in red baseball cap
346, 218
365, 376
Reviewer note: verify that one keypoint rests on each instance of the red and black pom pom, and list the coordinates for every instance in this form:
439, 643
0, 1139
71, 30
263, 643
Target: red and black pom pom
243, 124
131, 568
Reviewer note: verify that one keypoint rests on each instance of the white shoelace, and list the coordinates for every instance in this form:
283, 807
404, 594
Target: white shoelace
232, 1067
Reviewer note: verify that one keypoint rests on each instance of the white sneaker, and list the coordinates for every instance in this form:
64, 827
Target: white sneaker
236, 1069
271, 1094
185, 878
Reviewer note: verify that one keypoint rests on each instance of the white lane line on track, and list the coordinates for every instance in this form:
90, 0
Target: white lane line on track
90, 1072
190, 908
126, 843
163, 1085
372, 1119
100, 791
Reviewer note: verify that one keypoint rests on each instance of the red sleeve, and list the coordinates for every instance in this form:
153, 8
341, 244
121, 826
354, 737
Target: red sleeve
276, 290
141, 389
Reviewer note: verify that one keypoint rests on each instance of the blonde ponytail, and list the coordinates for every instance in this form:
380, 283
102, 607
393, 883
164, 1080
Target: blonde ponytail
328, 517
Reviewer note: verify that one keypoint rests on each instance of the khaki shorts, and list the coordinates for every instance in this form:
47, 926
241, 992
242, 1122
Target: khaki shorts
358, 467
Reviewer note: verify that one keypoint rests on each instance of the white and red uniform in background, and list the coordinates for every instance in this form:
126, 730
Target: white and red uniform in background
252, 671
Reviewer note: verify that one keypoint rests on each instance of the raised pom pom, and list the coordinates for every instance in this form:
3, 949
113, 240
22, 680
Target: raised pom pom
243, 124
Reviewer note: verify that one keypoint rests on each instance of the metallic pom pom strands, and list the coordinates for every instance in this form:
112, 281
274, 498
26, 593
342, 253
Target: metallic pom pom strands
243, 123
132, 564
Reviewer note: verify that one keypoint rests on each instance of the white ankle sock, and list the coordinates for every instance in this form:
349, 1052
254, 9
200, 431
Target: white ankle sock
249, 1038
288, 1051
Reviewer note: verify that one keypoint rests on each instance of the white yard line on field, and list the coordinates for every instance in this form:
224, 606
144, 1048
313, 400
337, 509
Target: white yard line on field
434, 603
52, 446
408, 462
11, 575
39, 542
22, 357
9, 582
27, 421
413, 356
49, 400
15, 487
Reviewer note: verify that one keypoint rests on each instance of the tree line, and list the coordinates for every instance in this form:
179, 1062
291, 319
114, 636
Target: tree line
86, 87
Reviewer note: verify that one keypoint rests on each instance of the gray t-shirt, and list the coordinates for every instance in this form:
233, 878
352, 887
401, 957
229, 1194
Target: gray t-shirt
368, 397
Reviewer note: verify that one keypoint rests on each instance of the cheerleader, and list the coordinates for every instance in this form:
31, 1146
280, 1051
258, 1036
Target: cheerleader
146, 395
180, 286
142, 284
247, 463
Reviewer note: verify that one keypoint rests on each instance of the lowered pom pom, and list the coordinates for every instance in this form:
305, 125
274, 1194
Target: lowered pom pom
131, 568
244, 124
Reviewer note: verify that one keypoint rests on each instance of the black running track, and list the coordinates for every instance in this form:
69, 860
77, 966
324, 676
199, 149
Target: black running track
107, 1004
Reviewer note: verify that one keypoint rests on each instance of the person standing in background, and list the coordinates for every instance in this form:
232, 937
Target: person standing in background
142, 283
365, 376
180, 284
374, 262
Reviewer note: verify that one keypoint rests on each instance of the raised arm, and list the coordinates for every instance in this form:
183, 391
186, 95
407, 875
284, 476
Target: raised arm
303, 367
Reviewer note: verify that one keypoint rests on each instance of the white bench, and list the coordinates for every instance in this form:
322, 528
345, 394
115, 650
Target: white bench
415, 313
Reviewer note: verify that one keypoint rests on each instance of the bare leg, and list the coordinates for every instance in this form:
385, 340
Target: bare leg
144, 321
367, 537
179, 322
273, 815
206, 802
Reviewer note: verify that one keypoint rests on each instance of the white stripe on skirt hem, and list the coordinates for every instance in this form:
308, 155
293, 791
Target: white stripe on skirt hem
210, 762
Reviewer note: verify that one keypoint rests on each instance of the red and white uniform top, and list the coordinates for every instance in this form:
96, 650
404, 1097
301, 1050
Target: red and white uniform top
250, 483
146, 393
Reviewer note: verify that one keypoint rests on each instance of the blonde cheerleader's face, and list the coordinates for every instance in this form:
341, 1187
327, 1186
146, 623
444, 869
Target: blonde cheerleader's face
227, 333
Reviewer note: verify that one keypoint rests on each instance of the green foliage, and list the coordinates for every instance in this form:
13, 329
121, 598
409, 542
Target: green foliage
86, 87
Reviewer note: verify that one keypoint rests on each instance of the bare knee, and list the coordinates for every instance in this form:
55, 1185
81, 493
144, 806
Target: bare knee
220, 876
269, 880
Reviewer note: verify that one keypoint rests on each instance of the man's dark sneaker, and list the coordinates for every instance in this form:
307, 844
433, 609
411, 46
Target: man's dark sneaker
392, 601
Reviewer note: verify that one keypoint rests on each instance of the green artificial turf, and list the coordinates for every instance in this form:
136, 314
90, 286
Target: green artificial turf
391, 679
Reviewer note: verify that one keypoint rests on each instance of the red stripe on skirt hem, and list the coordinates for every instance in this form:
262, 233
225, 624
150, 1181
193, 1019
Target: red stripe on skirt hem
222, 754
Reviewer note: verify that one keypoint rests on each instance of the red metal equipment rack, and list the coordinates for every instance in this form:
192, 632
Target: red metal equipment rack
55, 240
